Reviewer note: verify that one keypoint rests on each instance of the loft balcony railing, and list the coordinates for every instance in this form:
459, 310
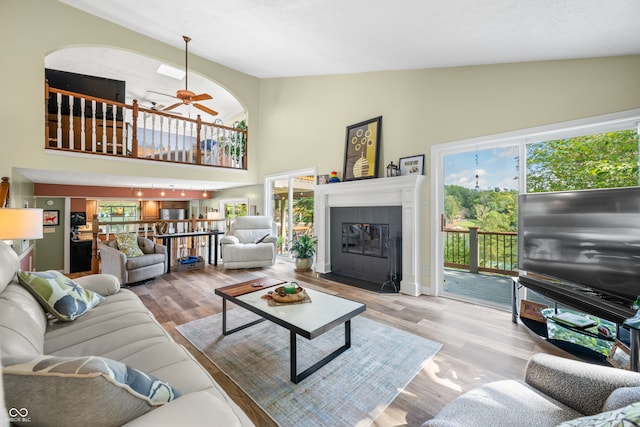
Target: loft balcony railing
85, 124
488, 251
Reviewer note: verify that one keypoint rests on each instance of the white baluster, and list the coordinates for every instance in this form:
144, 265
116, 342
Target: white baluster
94, 138
217, 150
104, 127
72, 144
184, 141
114, 139
178, 134
189, 149
125, 133
82, 125
59, 129
144, 134
206, 153
153, 137
160, 142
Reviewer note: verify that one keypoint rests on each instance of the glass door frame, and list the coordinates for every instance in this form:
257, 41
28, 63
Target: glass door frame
596, 124
289, 176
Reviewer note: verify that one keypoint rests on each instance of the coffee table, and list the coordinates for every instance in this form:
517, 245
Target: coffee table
309, 320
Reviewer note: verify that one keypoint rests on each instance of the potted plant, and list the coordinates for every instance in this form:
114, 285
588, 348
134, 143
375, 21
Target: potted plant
303, 249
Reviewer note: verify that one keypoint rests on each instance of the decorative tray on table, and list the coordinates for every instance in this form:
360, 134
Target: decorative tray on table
289, 293
280, 294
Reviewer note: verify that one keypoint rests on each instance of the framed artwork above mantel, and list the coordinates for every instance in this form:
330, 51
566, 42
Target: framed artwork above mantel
362, 150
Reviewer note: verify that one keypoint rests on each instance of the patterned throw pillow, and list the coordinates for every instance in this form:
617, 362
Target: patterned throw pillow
128, 243
627, 416
58, 295
88, 390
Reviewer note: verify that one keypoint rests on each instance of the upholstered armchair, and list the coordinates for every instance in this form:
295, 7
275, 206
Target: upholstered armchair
251, 242
134, 260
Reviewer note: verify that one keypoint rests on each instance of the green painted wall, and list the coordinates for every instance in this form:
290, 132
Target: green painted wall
50, 249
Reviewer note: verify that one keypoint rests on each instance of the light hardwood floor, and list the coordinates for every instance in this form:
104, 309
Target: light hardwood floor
479, 344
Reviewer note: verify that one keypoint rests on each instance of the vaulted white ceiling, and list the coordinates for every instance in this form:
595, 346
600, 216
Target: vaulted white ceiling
278, 38
275, 38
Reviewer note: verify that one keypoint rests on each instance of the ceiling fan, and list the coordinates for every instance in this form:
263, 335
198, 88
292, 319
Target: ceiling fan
185, 96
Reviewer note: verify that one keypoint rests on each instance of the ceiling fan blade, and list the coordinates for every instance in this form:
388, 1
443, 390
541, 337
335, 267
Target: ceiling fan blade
205, 109
202, 97
160, 93
171, 107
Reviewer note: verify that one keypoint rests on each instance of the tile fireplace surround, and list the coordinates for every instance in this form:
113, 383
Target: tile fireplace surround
404, 191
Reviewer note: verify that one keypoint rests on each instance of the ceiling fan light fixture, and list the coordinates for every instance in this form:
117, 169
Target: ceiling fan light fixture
169, 71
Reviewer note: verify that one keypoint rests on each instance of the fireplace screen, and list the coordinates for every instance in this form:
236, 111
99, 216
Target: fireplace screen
365, 239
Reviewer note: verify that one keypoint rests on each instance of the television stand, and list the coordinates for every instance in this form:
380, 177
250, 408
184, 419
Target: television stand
634, 327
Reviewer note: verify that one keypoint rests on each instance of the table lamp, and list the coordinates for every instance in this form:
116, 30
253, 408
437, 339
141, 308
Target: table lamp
20, 224
215, 215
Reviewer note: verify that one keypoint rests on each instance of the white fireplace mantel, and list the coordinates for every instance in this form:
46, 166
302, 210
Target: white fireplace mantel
404, 191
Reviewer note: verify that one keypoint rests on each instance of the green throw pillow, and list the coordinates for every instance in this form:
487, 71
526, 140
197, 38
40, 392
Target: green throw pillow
80, 391
128, 243
627, 416
58, 295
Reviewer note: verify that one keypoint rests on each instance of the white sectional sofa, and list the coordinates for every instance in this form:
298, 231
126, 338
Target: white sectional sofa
119, 328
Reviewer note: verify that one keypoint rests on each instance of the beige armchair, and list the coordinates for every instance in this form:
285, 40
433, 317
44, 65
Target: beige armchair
152, 263
251, 243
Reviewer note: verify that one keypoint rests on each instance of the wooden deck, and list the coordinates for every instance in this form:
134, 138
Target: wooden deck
480, 344
492, 290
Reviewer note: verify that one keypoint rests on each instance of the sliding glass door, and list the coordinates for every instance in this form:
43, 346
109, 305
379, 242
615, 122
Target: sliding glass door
290, 199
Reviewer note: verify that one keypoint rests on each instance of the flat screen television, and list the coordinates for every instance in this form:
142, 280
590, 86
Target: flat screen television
582, 248
99, 87
78, 219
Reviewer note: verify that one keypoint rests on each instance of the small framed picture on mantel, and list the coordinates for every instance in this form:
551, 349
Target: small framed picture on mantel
412, 165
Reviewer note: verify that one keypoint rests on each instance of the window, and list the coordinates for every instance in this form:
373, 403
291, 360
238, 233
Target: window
601, 160
119, 211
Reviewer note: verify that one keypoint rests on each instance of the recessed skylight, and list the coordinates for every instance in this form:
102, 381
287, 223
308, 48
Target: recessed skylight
172, 72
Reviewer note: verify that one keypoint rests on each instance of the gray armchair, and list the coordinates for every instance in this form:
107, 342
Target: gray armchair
153, 263
251, 242
554, 390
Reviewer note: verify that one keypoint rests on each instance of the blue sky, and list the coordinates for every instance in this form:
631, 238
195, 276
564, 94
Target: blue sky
496, 167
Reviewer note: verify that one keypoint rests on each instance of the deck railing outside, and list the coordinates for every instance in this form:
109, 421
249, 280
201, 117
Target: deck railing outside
474, 250
82, 123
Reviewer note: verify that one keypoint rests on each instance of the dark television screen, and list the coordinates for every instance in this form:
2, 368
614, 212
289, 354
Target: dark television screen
99, 87
590, 238
78, 219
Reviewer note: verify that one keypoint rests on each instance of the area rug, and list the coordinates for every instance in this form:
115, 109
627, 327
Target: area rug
351, 390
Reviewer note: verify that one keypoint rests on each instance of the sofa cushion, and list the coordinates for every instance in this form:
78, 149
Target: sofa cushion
110, 392
143, 261
128, 243
23, 322
194, 409
261, 238
10, 264
626, 416
250, 235
59, 296
117, 327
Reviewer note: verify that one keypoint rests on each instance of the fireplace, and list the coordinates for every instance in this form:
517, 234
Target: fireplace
362, 244
404, 193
